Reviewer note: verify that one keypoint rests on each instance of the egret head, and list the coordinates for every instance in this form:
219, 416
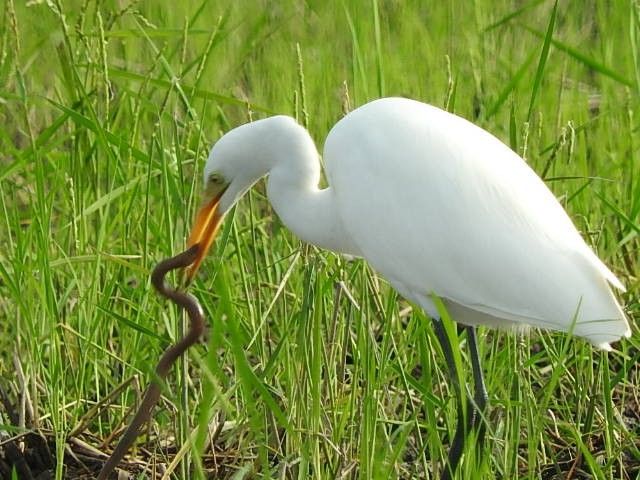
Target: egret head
239, 159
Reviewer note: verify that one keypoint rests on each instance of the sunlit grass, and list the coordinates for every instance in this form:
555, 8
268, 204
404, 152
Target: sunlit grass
314, 366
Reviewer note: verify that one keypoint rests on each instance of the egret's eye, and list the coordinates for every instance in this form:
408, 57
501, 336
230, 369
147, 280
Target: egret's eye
216, 179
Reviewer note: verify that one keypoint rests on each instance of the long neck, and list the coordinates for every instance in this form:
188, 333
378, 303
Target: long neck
308, 211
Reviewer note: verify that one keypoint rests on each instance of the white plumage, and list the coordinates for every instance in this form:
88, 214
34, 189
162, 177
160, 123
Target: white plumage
435, 204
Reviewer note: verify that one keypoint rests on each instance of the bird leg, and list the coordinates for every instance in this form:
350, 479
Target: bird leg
455, 451
470, 418
481, 398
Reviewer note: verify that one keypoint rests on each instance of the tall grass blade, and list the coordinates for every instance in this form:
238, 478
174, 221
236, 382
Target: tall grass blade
544, 54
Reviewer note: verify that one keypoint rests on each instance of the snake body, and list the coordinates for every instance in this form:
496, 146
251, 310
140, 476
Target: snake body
168, 358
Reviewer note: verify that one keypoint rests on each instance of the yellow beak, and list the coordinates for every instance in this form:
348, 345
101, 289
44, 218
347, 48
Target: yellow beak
204, 231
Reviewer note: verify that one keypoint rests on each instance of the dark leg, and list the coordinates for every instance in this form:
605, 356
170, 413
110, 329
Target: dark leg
480, 396
455, 451
473, 419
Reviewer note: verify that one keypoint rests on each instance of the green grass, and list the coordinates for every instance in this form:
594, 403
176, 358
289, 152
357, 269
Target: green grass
314, 367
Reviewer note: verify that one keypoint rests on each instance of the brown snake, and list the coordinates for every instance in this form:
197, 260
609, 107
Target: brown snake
169, 357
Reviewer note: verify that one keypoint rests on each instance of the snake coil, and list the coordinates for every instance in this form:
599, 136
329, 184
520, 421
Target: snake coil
168, 358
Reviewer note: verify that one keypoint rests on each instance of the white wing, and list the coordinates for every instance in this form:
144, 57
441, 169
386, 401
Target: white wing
438, 205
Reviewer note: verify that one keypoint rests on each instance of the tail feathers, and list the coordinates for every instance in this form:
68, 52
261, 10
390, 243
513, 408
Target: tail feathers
604, 270
601, 319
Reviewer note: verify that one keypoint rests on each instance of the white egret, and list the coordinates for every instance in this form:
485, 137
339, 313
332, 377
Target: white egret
437, 206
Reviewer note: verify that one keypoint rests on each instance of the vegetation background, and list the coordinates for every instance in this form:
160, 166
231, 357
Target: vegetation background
314, 367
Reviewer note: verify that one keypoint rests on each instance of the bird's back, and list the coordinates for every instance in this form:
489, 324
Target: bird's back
438, 205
